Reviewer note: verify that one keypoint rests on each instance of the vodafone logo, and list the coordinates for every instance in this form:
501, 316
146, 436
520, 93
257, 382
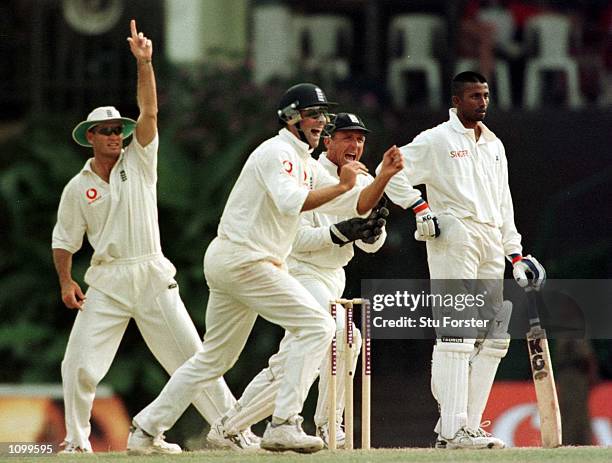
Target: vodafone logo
92, 195
512, 409
288, 166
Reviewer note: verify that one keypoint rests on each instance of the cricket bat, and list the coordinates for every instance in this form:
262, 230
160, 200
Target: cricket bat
543, 378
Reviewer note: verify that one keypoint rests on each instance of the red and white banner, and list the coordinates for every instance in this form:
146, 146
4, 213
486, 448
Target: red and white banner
513, 412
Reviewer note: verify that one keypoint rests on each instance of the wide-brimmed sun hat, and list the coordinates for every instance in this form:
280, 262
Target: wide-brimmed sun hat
97, 116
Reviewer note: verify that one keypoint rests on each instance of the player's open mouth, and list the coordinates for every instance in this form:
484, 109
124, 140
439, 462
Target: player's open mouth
350, 157
316, 132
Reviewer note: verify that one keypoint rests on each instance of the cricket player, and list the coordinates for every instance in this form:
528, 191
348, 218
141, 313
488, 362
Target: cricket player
113, 200
464, 167
317, 261
245, 268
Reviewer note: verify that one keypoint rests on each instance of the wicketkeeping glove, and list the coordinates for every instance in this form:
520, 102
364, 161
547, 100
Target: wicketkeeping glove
527, 271
349, 230
427, 227
376, 222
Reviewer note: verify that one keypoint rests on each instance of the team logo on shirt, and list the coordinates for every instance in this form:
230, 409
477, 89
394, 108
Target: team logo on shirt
92, 195
459, 154
288, 166
308, 181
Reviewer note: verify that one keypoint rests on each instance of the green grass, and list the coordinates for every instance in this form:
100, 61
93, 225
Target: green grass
563, 454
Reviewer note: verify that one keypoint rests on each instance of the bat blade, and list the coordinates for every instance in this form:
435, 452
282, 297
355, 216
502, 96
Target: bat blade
546, 392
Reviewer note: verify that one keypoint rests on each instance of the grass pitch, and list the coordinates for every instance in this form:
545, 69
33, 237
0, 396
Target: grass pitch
559, 455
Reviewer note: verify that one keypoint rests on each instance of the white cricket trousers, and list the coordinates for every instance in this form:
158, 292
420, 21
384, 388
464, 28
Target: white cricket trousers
257, 400
465, 250
242, 285
167, 330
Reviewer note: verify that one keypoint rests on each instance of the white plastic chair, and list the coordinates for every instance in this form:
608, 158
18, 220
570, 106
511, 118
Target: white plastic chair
324, 34
551, 35
271, 51
502, 92
419, 33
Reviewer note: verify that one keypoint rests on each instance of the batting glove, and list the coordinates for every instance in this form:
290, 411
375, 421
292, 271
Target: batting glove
527, 271
427, 227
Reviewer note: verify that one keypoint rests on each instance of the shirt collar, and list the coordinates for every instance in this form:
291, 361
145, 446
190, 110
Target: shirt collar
87, 166
303, 149
329, 166
458, 126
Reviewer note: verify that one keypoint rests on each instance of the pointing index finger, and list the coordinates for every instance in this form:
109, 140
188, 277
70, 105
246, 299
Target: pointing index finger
133, 28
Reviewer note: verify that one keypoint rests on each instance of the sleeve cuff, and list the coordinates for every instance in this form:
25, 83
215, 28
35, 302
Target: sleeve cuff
419, 206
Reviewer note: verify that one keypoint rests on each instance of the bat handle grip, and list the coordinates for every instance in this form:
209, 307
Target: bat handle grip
532, 308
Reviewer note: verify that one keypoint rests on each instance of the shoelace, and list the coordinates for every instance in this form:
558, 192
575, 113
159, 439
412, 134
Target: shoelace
481, 431
470, 432
160, 439
237, 440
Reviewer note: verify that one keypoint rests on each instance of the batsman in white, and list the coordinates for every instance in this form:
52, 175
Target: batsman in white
322, 247
464, 167
113, 200
245, 268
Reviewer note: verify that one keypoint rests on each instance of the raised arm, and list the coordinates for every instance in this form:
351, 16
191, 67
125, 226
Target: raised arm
146, 93
393, 162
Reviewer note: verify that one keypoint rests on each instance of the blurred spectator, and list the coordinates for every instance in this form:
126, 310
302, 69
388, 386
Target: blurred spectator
487, 33
477, 38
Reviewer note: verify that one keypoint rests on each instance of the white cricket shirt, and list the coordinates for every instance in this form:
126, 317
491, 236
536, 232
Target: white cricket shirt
119, 218
262, 212
313, 244
464, 177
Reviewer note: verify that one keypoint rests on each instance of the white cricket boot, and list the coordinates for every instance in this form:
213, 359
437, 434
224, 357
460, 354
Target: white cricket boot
141, 443
290, 436
499, 444
323, 433
469, 439
218, 437
252, 437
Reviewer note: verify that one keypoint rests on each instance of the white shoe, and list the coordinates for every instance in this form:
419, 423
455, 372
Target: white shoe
251, 436
323, 433
290, 436
499, 444
467, 438
141, 443
243, 441
69, 447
